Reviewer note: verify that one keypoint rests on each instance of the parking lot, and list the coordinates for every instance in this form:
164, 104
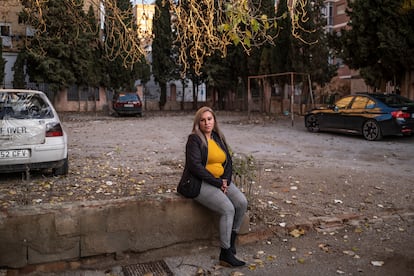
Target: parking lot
129, 156
299, 174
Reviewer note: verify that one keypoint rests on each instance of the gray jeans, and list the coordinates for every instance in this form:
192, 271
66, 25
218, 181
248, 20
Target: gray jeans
230, 206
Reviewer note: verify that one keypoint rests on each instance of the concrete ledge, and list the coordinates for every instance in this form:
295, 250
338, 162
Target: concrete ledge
50, 233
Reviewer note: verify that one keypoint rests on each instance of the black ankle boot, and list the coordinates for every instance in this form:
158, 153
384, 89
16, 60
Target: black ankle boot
227, 258
233, 242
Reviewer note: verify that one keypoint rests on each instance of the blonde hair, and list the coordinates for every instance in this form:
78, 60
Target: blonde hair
196, 125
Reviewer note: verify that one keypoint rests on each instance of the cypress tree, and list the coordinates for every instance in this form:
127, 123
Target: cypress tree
282, 54
119, 76
163, 65
68, 49
51, 56
311, 48
18, 68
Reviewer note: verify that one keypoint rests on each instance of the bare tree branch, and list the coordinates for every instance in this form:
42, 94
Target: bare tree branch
203, 27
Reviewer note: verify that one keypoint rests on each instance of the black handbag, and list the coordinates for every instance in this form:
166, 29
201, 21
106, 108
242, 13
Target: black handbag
189, 185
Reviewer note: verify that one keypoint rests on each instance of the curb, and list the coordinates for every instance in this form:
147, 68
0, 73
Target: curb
319, 224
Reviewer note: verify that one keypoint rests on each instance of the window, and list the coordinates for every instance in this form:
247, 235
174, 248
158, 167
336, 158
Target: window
5, 29
360, 103
76, 93
30, 31
344, 103
326, 12
5, 34
339, 62
340, 9
371, 104
22, 105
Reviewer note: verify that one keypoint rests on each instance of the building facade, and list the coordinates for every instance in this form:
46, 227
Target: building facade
12, 34
337, 19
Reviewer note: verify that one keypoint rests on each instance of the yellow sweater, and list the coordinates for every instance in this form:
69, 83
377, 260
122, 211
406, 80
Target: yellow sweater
215, 159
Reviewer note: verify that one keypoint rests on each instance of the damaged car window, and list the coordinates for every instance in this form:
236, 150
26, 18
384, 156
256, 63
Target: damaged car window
23, 106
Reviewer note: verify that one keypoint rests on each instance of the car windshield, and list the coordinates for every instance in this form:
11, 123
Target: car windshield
131, 97
23, 105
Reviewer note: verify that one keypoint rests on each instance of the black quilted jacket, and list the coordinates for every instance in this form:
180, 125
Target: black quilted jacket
196, 160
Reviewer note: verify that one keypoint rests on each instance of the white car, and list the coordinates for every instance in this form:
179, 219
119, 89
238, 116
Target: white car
31, 134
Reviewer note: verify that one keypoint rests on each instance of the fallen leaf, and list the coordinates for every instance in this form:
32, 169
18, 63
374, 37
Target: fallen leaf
377, 263
324, 247
259, 254
348, 252
297, 233
200, 271
358, 230
216, 267
252, 266
271, 258
259, 262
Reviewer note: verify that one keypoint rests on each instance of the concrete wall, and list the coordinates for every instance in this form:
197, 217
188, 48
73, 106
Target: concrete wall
61, 103
47, 233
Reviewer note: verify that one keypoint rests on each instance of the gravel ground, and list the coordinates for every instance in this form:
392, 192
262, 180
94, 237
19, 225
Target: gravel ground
297, 175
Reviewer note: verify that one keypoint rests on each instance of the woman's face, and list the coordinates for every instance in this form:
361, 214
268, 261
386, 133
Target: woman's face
207, 122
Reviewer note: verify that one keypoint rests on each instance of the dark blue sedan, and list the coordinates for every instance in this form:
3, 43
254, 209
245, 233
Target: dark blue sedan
368, 114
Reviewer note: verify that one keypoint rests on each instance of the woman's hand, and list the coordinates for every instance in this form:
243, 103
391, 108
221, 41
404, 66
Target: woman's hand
224, 186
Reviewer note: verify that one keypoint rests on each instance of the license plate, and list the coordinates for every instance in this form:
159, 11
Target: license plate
128, 105
12, 154
412, 115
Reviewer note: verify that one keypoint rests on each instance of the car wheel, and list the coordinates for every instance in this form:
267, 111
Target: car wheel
63, 170
312, 123
371, 130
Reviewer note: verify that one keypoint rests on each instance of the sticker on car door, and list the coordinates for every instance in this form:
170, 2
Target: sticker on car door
21, 132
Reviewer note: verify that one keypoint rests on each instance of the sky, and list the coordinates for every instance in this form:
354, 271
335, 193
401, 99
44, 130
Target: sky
134, 2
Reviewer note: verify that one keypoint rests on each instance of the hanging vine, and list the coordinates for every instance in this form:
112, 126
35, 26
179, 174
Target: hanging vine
203, 27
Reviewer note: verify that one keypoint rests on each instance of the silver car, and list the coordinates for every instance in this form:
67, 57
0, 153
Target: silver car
31, 134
